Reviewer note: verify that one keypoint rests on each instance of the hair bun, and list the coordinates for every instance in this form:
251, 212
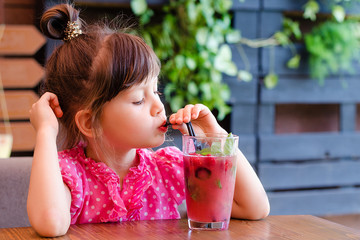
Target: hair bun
54, 21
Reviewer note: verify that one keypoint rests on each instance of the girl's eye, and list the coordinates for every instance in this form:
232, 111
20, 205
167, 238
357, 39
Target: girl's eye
139, 102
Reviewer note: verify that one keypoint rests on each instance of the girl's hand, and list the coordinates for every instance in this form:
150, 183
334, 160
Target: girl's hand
201, 117
45, 111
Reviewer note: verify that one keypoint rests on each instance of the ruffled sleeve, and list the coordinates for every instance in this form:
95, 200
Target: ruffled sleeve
72, 177
170, 164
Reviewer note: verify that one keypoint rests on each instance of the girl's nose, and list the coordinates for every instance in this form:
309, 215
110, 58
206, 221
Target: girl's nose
157, 107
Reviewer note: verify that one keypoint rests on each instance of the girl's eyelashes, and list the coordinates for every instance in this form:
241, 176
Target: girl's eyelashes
139, 102
158, 93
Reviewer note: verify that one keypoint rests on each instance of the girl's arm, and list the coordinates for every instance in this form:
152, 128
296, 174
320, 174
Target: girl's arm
48, 203
250, 199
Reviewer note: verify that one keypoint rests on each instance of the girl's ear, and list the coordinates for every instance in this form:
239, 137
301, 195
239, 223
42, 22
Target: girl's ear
83, 122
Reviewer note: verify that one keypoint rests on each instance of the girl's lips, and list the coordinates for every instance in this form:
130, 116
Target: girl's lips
164, 126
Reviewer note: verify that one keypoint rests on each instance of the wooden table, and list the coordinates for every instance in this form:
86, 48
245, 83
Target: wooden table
302, 227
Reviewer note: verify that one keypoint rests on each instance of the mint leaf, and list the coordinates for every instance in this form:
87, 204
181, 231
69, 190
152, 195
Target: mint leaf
218, 183
216, 148
229, 145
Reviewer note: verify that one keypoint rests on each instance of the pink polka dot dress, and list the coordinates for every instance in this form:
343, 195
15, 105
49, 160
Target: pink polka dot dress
151, 190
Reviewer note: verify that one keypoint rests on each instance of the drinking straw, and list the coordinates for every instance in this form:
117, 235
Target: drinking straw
190, 129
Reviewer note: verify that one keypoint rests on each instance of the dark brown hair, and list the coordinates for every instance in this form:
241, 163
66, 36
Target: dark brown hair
93, 68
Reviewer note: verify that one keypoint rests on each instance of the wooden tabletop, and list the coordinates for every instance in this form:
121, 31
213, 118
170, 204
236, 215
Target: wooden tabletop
273, 227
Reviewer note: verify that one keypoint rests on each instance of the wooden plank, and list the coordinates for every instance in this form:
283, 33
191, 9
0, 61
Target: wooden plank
23, 136
305, 90
24, 2
242, 92
309, 174
20, 72
348, 117
2, 12
21, 40
18, 103
300, 118
287, 147
315, 202
243, 118
20, 15
266, 118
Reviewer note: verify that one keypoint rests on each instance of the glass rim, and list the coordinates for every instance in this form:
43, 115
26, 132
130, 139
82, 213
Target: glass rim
210, 135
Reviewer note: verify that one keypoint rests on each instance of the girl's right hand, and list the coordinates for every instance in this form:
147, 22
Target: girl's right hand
44, 113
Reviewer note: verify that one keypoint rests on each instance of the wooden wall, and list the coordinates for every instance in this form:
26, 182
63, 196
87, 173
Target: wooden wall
21, 60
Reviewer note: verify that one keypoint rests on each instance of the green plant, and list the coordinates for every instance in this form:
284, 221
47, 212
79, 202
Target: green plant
192, 39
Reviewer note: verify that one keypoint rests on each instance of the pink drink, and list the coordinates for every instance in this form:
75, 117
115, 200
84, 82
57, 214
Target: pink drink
209, 187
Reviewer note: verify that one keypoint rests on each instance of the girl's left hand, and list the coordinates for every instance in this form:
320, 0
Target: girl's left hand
201, 118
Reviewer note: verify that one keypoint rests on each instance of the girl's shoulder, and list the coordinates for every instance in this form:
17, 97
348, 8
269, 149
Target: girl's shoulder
76, 152
172, 154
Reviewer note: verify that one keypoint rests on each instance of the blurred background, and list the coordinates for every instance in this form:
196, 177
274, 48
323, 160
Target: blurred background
281, 74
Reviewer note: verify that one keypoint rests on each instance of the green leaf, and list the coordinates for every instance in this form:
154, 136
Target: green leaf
229, 145
201, 36
271, 80
176, 103
281, 38
193, 89
138, 6
190, 63
245, 76
339, 13
311, 9
233, 36
218, 183
294, 62
216, 148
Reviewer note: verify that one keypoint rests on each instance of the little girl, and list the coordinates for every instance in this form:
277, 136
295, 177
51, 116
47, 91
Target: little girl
102, 86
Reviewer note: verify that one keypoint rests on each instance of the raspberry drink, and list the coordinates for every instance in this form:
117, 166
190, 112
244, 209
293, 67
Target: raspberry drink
209, 181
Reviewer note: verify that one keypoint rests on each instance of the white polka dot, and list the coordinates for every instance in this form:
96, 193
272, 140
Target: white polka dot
163, 194
96, 186
157, 189
166, 180
172, 188
178, 195
98, 213
102, 192
160, 181
150, 205
152, 218
126, 192
93, 207
171, 213
146, 213
178, 171
98, 199
154, 196
90, 219
164, 208
91, 193
104, 206
156, 169
86, 213
157, 210
108, 212
131, 187
89, 180
78, 195
145, 199
166, 169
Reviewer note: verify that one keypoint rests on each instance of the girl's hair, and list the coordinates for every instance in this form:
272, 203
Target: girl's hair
91, 69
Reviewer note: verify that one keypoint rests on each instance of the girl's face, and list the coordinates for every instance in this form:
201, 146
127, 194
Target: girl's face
135, 118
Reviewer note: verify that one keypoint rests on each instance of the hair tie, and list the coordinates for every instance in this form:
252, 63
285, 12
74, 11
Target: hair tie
72, 31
